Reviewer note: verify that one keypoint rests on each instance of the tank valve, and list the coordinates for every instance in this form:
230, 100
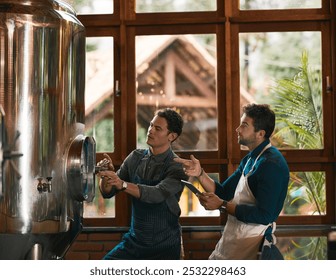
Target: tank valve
44, 186
99, 168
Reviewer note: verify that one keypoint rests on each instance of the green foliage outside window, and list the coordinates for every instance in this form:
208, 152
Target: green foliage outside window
298, 106
297, 103
303, 248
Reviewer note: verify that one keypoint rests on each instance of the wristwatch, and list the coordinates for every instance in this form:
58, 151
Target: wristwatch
124, 186
222, 208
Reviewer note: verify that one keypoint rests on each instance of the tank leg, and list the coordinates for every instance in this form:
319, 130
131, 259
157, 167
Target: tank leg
35, 252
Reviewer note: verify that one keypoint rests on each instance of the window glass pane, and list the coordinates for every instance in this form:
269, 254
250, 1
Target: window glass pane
276, 4
99, 92
149, 6
189, 203
303, 248
306, 194
284, 70
99, 115
178, 71
92, 6
99, 207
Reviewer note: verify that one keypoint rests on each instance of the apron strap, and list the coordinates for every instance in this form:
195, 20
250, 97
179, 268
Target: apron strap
265, 148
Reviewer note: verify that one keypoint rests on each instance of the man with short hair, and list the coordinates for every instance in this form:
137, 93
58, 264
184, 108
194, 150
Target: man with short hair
152, 178
253, 196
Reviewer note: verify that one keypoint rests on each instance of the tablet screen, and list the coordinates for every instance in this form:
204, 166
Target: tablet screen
191, 187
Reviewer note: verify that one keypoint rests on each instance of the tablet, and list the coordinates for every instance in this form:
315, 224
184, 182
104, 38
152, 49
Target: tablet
191, 187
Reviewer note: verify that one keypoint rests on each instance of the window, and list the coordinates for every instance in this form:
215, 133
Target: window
273, 4
207, 59
178, 71
147, 6
92, 6
283, 69
99, 116
306, 194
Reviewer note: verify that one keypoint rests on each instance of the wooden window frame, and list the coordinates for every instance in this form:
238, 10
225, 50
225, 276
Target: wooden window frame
227, 22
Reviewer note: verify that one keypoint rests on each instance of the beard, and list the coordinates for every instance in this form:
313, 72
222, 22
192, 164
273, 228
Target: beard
246, 141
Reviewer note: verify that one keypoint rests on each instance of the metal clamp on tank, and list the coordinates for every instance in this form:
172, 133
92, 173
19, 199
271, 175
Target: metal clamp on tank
80, 168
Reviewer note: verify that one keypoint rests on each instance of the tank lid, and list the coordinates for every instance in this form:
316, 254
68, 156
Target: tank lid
63, 5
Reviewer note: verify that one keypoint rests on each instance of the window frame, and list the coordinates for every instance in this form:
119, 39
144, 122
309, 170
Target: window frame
227, 22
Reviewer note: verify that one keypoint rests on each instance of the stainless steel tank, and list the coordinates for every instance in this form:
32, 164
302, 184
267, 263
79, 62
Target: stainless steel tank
47, 163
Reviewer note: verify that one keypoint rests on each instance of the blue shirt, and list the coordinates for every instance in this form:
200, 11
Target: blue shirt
268, 183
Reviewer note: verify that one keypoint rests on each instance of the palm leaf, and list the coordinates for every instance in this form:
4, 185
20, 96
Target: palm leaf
297, 103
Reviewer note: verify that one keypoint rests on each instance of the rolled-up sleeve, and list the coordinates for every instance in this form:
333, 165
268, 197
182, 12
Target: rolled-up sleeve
168, 183
169, 186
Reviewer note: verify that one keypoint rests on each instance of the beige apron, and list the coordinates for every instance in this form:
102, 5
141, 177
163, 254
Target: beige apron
241, 241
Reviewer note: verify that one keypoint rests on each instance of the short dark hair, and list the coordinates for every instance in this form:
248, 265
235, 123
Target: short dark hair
173, 118
263, 117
